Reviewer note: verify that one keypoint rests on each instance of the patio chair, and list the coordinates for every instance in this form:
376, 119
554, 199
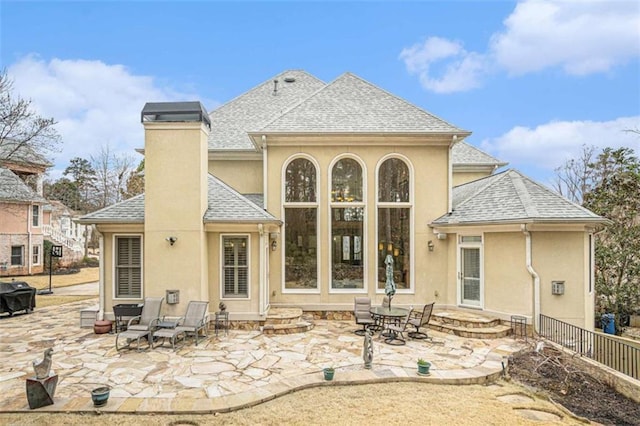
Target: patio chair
362, 314
144, 324
195, 319
396, 332
421, 320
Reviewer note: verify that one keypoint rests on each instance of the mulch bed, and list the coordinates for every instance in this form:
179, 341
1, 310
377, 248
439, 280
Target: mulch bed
564, 379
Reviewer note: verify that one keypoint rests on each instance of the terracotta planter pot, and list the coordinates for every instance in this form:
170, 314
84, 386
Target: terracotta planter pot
101, 327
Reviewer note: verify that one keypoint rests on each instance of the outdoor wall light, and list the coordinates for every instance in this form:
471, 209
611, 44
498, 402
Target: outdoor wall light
273, 236
172, 240
430, 245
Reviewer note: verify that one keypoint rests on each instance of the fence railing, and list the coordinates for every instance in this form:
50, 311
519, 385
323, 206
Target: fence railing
602, 348
59, 237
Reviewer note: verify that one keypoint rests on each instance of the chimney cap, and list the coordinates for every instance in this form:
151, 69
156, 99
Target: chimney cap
175, 112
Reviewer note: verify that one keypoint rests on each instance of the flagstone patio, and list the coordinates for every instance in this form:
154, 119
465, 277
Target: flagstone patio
224, 372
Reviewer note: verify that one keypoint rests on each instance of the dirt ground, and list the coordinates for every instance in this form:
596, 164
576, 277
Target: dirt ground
562, 377
373, 404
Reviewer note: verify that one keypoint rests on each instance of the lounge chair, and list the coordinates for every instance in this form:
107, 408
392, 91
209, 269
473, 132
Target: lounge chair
195, 319
421, 320
143, 324
362, 314
396, 332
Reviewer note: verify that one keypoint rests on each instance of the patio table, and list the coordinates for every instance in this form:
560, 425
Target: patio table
386, 315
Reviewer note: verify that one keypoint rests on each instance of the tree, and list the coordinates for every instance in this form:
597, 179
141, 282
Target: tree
575, 178
135, 182
111, 173
84, 180
616, 196
20, 126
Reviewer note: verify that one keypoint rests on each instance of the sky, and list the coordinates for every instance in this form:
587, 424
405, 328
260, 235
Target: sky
534, 81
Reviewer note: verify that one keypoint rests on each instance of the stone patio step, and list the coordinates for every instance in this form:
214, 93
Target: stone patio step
468, 324
286, 321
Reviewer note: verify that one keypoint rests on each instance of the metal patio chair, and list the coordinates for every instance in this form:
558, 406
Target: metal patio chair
362, 314
396, 332
421, 320
195, 319
142, 325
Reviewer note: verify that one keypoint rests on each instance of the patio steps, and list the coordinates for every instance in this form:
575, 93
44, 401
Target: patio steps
469, 325
286, 321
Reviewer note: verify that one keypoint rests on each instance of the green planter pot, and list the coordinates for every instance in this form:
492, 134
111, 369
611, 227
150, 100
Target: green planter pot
328, 373
423, 369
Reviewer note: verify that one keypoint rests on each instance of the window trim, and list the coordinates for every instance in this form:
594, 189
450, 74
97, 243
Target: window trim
288, 204
17, 265
114, 249
35, 208
340, 204
36, 248
222, 265
401, 205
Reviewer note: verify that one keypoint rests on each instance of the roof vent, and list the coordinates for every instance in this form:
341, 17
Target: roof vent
275, 87
289, 79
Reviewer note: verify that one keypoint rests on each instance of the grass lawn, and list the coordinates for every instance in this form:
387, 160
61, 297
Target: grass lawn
86, 275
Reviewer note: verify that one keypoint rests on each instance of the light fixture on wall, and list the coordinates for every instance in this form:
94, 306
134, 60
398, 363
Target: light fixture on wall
172, 240
273, 236
430, 245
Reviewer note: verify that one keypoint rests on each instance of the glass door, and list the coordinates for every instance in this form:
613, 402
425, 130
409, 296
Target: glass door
470, 271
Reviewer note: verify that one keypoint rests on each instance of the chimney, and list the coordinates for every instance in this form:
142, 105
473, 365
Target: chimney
176, 168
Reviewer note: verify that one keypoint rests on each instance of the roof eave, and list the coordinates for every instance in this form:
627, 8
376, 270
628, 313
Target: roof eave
573, 221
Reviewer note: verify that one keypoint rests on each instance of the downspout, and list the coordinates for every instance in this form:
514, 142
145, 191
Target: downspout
101, 288
536, 279
262, 269
29, 238
454, 140
264, 172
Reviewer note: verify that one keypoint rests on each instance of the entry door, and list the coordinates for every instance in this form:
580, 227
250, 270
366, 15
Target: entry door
470, 283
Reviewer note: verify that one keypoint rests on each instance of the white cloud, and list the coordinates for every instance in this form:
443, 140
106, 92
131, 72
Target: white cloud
462, 72
94, 103
580, 37
550, 145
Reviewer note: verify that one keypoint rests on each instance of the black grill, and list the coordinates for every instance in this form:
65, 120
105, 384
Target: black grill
17, 296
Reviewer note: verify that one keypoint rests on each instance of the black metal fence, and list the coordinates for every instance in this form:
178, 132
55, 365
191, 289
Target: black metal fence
602, 348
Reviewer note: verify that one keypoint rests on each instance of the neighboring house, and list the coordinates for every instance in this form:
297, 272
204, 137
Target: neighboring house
61, 229
295, 193
21, 212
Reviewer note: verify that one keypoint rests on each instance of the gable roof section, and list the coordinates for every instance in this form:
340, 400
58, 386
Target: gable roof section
464, 154
255, 108
227, 205
511, 197
224, 205
351, 104
13, 189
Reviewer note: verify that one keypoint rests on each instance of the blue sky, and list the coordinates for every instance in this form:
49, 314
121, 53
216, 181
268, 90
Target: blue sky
533, 80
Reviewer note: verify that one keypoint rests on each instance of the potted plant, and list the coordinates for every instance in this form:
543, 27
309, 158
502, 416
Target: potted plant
423, 367
100, 395
328, 373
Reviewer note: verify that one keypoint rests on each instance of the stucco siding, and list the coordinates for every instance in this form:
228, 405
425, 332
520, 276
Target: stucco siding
244, 176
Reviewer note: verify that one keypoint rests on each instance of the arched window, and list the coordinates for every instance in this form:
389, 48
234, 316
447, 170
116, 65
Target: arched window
394, 221
300, 225
347, 225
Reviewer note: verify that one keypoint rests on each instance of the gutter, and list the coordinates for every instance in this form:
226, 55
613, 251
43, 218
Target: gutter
535, 276
101, 288
454, 140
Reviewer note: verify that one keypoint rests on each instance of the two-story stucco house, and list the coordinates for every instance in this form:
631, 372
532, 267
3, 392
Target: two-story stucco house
295, 192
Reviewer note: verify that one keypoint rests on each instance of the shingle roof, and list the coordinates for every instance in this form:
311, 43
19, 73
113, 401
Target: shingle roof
465, 154
509, 197
255, 108
12, 188
227, 205
224, 205
127, 211
351, 104
21, 153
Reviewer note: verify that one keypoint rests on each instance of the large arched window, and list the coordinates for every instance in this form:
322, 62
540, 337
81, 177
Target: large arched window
394, 221
347, 225
300, 225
